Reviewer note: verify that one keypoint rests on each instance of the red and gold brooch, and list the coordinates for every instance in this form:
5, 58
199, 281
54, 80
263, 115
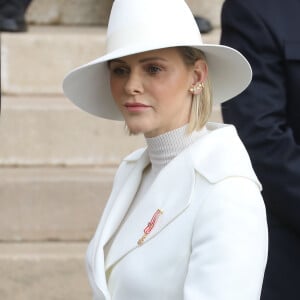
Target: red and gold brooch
150, 226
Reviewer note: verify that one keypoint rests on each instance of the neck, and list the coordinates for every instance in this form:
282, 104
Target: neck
163, 148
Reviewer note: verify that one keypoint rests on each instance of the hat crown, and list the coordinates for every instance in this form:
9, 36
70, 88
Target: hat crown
152, 24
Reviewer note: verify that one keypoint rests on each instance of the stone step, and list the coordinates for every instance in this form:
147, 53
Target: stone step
52, 204
48, 271
95, 12
36, 62
78, 12
51, 131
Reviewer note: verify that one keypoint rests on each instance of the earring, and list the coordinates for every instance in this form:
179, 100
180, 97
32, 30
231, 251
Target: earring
197, 87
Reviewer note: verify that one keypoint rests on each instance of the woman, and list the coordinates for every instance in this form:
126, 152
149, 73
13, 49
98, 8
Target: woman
185, 219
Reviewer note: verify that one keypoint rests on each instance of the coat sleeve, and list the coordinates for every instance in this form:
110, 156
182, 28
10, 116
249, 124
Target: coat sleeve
229, 244
260, 112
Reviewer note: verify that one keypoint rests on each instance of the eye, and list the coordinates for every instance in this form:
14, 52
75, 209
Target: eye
119, 71
153, 69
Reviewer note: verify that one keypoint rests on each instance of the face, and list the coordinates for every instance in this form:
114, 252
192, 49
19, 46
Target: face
151, 89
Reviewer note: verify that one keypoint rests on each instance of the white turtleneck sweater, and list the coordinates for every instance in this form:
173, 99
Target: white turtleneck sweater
161, 150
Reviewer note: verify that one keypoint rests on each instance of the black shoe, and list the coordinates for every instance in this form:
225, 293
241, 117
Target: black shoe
203, 24
12, 15
12, 25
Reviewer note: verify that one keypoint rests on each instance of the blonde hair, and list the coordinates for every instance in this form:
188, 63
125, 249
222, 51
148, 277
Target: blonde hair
202, 103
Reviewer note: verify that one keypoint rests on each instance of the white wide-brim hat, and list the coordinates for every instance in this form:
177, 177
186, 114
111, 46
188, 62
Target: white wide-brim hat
142, 25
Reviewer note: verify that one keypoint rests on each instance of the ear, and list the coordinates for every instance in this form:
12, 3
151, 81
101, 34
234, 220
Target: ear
199, 75
200, 71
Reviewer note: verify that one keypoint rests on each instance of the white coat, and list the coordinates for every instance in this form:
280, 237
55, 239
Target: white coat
210, 243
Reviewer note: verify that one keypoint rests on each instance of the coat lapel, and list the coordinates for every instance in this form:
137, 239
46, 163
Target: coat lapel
120, 199
123, 199
170, 192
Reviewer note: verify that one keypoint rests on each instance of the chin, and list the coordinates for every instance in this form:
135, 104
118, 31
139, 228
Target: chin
134, 131
135, 126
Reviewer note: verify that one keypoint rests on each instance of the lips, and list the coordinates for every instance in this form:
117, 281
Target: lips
135, 104
136, 107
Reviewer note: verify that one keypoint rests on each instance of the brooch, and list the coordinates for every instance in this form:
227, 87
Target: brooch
150, 226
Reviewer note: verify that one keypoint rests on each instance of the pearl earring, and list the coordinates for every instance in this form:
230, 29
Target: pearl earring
197, 87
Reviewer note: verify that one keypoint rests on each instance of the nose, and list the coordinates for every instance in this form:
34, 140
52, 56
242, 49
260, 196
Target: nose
134, 84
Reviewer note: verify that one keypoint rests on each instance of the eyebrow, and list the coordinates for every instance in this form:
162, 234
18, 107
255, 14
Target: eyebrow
152, 58
141, 60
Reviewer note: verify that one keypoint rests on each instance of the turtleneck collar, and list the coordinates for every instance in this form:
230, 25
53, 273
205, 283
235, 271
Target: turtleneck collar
163, 148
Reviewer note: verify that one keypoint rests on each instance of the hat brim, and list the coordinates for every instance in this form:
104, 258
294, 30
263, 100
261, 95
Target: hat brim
88, 86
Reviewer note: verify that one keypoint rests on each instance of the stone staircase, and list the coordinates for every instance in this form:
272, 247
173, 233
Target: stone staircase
56, 162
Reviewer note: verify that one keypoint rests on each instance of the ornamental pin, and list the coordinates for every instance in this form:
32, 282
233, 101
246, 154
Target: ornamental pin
150, 226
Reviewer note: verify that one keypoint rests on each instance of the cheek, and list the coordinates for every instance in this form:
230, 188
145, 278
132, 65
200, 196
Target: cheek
172, 88
116, 89
178, 81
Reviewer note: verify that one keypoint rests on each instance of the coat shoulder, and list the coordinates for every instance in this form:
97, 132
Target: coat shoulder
221, 154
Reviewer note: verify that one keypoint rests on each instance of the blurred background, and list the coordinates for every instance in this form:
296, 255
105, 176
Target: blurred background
57, 162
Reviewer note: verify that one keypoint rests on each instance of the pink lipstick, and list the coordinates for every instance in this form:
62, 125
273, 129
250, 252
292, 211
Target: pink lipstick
136, 107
